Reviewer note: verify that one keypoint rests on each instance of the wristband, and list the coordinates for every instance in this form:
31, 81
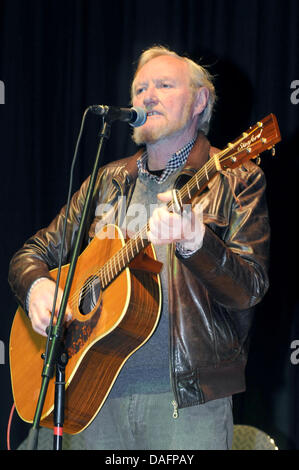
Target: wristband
30, 290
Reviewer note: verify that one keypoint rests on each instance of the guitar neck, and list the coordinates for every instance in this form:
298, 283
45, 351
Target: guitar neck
195, 185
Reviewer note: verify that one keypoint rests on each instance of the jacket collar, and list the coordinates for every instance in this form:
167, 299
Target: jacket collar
198, 156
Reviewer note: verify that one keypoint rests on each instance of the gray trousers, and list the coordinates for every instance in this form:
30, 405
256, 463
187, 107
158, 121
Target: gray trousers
145, 422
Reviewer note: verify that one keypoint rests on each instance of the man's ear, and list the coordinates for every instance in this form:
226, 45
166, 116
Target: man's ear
201, 100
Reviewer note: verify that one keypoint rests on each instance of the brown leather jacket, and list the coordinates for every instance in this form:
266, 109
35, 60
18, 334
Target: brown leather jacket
211, 294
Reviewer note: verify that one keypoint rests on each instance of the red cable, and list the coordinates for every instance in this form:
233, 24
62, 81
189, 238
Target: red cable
9, 426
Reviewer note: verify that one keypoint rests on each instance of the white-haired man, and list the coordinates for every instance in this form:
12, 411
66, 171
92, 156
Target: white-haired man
175, 392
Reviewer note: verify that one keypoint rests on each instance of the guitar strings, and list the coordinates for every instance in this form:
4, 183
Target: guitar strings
107, 269
219, 155
110, 267
117, 262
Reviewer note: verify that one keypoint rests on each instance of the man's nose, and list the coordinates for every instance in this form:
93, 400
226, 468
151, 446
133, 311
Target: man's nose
150, 97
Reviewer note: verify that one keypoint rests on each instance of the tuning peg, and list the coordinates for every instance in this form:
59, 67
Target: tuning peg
258, 160
273, 151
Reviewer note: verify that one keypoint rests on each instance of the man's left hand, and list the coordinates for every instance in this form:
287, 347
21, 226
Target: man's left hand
166, 227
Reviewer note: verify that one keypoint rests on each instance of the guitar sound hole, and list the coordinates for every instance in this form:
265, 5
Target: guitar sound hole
89, 295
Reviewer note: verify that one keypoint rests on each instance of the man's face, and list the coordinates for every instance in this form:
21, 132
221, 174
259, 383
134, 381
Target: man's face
162, 87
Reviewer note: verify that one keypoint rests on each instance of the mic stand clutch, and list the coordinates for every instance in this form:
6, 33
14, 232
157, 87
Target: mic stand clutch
59, 401
55, 346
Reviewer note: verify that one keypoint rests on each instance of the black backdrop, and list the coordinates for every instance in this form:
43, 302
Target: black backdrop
58, 57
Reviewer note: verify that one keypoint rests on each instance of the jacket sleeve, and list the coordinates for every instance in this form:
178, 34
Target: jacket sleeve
234, 269
41, 252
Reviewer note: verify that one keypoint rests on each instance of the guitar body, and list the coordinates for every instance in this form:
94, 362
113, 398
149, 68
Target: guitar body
98, 342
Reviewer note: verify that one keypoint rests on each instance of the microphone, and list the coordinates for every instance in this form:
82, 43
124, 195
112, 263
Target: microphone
134, 116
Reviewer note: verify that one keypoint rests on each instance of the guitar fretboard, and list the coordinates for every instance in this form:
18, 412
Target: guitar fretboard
120, 260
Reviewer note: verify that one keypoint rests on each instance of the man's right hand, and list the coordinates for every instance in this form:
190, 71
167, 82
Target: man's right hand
41, 304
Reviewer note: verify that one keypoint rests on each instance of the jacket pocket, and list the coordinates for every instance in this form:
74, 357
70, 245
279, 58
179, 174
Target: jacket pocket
227, 343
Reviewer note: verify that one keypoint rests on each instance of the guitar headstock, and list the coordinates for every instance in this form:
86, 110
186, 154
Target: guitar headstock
258, 138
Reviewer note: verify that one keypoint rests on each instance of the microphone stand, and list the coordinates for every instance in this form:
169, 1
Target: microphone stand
56, 356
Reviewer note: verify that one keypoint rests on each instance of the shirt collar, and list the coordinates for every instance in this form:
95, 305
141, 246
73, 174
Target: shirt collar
177, 160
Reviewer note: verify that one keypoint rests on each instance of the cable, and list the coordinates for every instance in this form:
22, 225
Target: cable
9, 426
64, 229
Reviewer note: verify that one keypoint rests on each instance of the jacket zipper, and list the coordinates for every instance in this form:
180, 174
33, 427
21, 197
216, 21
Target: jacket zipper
174, 402
175, 413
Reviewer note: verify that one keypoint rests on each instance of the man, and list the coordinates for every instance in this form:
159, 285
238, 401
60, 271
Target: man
175, 391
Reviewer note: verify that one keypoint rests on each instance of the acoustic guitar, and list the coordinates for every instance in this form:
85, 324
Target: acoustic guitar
126, 306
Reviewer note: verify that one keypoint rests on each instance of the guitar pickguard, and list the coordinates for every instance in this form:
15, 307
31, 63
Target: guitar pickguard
78, 333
